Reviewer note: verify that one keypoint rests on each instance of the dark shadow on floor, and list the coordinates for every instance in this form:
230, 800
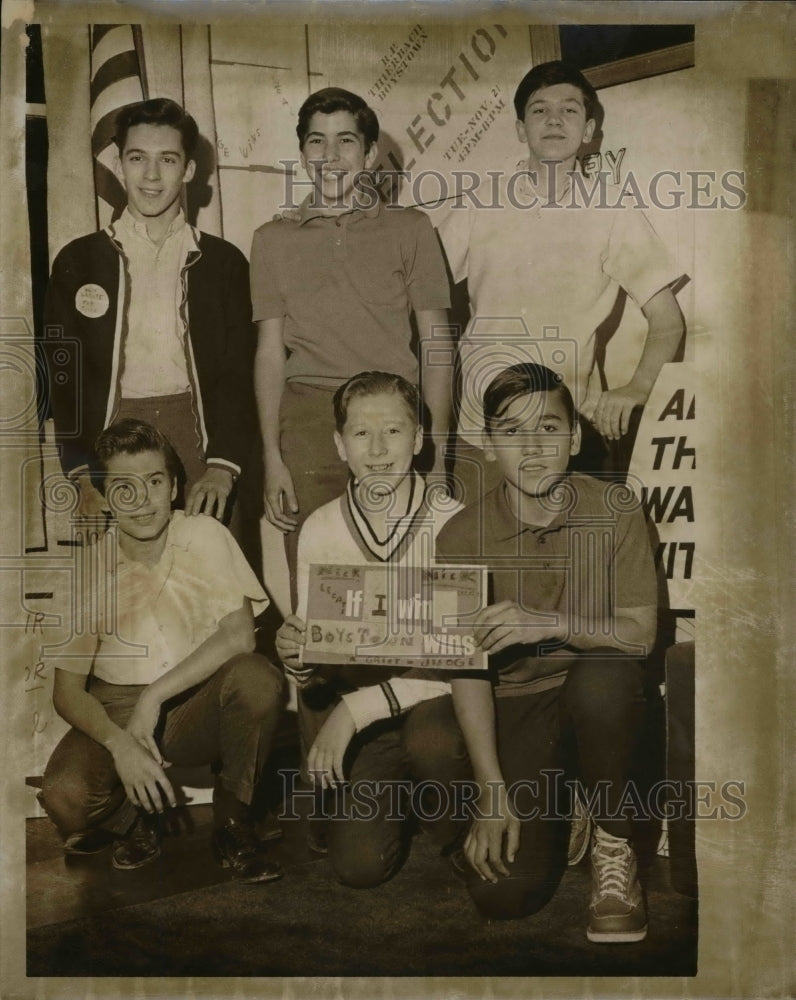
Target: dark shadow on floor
181, 916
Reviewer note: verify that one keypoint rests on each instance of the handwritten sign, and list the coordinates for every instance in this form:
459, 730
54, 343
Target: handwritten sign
392, 616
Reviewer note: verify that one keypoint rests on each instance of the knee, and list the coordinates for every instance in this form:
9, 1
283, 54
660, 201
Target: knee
511, 897
254, 682
433, 742
604, 688
65, 800
362, 862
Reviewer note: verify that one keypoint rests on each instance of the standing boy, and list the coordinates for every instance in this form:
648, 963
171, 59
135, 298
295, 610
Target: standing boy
573, 613
546, 261
380, 732
171, 678
333, 293
162, 317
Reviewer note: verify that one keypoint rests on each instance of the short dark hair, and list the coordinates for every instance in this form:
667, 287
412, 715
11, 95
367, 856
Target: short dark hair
549, 74
369, 384
522, 380
158, 111
131, 437
332, 99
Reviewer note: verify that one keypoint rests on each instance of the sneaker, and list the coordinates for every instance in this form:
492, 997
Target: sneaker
616, 912
236, 847
579, 832
140, 846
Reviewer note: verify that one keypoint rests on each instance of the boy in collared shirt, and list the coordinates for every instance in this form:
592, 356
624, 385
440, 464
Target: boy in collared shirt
163, 319
160, 670
573, 613
546, 260
333, 292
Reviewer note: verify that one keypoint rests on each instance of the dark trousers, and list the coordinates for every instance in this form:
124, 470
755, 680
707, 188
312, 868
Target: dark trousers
306, 440
595, 718
387, 766
229, 720
174, 417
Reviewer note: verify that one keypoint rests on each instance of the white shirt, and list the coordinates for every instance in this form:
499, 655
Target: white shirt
541, 280
154, 349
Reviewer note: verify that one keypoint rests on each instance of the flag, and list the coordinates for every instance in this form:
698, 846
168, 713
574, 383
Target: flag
117, 79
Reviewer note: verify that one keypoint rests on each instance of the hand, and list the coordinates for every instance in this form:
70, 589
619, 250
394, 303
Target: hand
290, 214
613, 410
495, 823
506, 624
92, 505
210, 492
141, 724
144, 779
290, 639
280, 496
325, 759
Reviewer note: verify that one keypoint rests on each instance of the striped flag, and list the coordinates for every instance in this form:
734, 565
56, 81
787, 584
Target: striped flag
117, 78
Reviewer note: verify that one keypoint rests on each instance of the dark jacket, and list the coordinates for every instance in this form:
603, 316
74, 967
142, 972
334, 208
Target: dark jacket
86, 329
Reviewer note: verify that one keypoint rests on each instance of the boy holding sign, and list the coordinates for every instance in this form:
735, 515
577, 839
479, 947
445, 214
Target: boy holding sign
380, 728
572, 614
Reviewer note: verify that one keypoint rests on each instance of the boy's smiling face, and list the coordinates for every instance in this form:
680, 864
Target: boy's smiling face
139, 494
555, 124
379, 440
153, 169
532, 442
333, 153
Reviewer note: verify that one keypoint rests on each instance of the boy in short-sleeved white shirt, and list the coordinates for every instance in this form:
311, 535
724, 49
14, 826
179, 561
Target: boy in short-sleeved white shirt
160, 670
544, 267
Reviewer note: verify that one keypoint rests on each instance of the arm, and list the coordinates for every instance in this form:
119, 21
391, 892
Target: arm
234, 635
230, 412
64, 392
357, 711
507, 624
665, 330
269, 382
142, 775
475, 712
290, 640
436, 373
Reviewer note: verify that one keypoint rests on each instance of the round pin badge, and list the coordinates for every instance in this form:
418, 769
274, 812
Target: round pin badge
92, 301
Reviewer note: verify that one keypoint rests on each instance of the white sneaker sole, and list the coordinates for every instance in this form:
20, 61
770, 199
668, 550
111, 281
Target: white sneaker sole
616, 937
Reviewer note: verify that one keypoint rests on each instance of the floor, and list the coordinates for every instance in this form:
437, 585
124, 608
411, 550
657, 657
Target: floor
183, 916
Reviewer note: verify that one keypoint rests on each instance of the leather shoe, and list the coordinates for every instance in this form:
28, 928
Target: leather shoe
84, 842
139, 847
236, 847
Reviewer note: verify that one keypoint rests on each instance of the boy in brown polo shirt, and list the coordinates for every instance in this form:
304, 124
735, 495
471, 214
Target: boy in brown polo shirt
573, 612
333, 292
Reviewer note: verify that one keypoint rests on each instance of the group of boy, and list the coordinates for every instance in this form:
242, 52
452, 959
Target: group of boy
167, 355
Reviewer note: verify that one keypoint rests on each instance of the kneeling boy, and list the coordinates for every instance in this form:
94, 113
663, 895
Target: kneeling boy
381, 729
573, 613
173, 679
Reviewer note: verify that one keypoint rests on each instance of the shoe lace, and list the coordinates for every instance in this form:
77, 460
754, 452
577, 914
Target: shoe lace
613, 867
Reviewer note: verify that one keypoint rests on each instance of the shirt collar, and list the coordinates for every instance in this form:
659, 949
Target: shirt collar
307, 210
129, 224
527, 187
505, 523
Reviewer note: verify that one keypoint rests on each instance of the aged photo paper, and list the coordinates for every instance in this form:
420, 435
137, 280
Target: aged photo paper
699, 131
